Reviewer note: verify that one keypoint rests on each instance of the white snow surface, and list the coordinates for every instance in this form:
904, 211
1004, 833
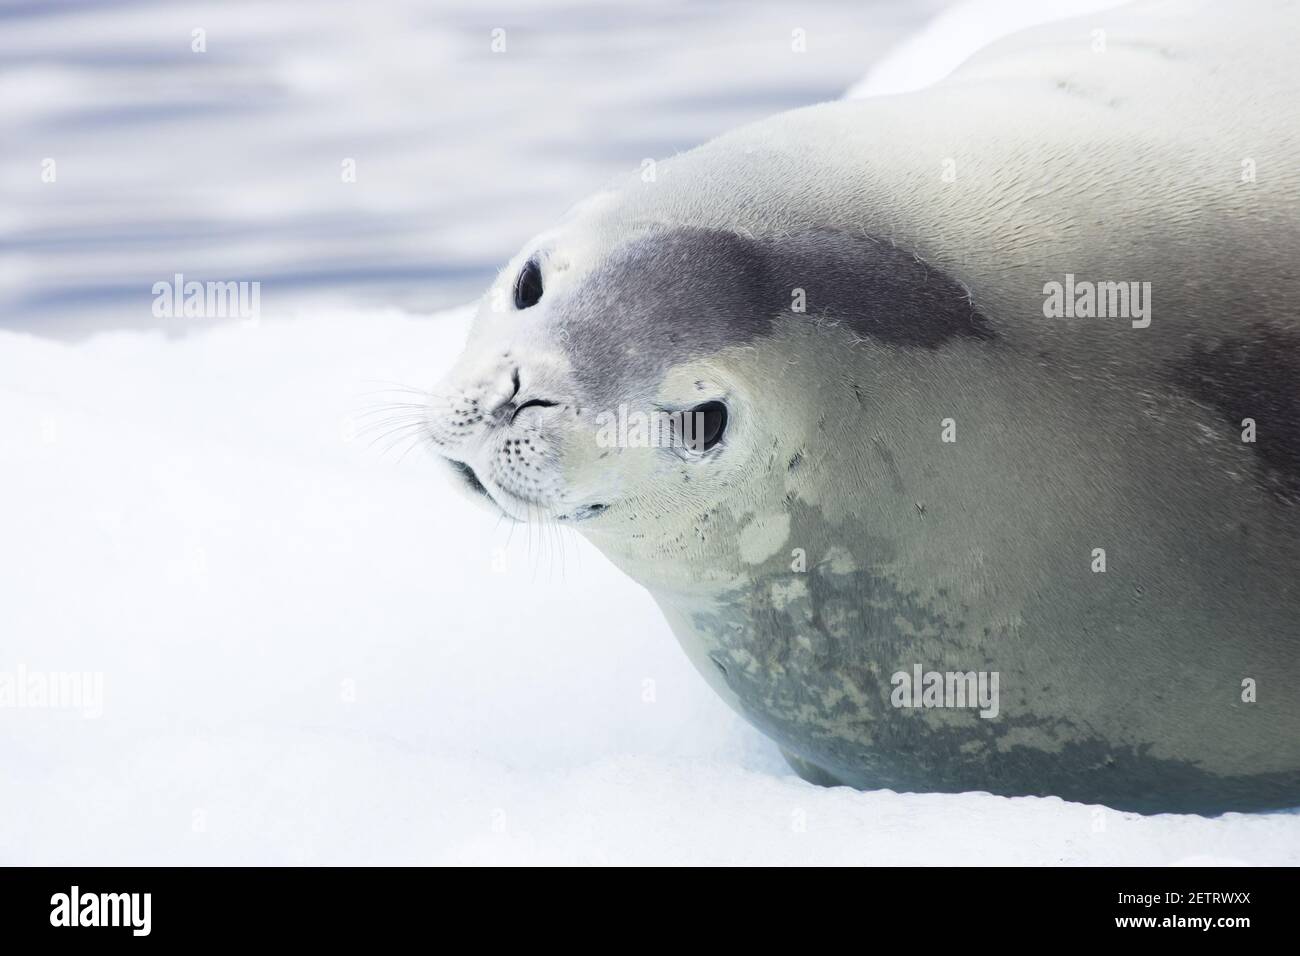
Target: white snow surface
314, 652
310, 653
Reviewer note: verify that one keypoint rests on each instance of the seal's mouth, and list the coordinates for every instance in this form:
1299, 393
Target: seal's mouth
475, 486
583, 513
469, 478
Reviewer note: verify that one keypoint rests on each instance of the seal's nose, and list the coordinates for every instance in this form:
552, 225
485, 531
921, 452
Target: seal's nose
507, 410
503, 411
532, 403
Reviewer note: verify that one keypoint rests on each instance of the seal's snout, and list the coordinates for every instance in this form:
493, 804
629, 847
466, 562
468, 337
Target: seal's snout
502, 427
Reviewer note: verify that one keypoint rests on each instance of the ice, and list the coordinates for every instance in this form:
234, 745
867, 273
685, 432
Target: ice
314, 651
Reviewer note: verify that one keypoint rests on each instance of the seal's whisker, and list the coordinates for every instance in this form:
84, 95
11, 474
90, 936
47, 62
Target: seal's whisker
387, 424
369, 428
415, 443
387, 406
562, 539
402, 433
396, 408
397, 387
511, 535
393, 416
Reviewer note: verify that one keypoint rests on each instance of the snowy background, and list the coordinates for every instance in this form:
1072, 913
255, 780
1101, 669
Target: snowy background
312, 650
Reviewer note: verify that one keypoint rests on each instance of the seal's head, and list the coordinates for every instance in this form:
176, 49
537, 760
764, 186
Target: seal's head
630, 376
590, 389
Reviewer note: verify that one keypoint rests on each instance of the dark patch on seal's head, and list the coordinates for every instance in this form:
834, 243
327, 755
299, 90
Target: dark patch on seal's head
672, 294
1256, 376
876, 289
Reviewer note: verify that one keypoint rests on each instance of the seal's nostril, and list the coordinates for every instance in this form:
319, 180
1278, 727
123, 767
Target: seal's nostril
505, 409
532, 403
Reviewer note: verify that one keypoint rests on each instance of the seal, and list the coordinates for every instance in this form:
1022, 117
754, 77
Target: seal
981, 466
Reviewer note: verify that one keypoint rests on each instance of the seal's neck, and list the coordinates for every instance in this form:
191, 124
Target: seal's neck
673, 570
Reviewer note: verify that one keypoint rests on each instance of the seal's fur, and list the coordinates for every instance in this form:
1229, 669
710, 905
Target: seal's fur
833, 538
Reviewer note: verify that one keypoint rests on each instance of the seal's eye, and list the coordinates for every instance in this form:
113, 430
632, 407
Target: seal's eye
708, 422
528, 287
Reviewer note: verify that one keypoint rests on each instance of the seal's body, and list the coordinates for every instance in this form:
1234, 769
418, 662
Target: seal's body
1002, 381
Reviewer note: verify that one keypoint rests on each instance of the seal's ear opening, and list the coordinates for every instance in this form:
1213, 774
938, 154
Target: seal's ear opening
528, 287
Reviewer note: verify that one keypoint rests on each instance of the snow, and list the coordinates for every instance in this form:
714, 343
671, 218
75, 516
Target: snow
312, 650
